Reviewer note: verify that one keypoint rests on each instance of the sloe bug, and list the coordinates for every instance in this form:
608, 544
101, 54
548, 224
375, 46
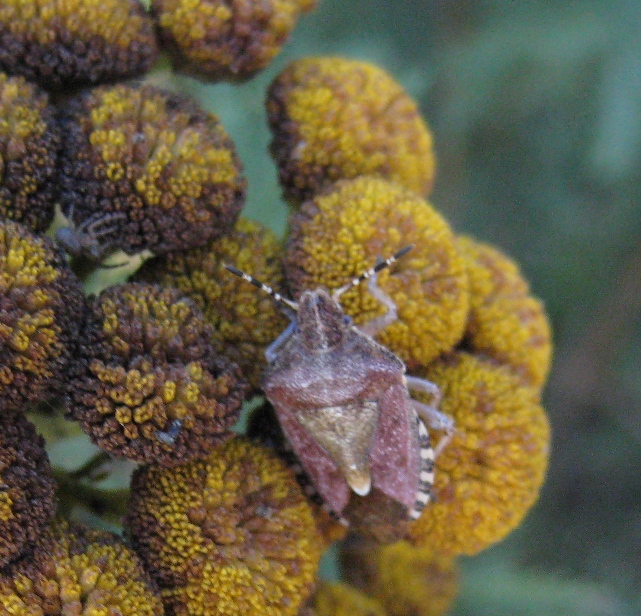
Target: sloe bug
343, 400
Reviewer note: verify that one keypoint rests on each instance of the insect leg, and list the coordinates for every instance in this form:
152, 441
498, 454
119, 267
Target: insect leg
425, 386
426, 472
430, 413
371, 328
271, 352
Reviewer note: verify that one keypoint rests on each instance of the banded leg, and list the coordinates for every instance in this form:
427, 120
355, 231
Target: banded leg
426, 472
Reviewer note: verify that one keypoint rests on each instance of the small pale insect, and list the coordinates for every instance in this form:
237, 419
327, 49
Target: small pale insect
91, 238
343, 400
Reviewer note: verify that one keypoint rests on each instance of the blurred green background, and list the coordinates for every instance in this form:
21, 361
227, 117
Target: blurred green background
536, 111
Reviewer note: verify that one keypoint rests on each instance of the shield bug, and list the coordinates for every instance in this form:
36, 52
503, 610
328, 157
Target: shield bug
343, 401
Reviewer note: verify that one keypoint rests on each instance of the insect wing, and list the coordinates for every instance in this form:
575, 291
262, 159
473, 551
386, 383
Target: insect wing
321, 469
395, 453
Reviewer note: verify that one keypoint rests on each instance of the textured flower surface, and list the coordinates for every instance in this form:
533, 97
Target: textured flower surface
229, 535
244, 321
405, 580
342, 232
80, 572
27, 502
41, 307
144, 169
334, 118
58, 43
505, 321
226, 39
490, 474
148, 386
29, 143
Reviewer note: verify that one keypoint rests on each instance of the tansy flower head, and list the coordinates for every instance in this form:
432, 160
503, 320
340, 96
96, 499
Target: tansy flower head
405, 580
232, 534
41, 306
226, 39
342, 232
244, 321
29, 143
75, 570
145, 170
333, 118
76, 41
489, 475
27, 501
505, 321
338, 599
147, 385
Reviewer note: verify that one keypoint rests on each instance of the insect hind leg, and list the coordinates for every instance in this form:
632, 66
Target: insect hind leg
426, 472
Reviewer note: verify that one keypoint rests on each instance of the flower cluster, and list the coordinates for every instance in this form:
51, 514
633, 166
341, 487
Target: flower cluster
156, 370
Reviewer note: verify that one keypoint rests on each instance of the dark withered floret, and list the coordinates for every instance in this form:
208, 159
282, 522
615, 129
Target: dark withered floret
41, 307
74, 571
27, 499
244, 321
57, 44
147, 384
29, 144
226, 39
143, 169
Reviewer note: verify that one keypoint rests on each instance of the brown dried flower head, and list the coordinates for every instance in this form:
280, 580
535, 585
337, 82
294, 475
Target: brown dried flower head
57, 43
29, 144
27, 500
244, 322
78, 571
147, 384
41, 307
226, 39
144, 169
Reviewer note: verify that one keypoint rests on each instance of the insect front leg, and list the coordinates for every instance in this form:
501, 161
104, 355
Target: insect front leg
429, 412
373, 327
271, 352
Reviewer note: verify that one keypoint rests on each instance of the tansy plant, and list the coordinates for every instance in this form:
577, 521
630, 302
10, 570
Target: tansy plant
156, 369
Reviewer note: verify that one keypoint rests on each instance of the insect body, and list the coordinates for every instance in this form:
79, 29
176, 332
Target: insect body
342, 400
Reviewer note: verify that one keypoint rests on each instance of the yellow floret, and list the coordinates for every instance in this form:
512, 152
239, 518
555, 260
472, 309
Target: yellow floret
490, 474
406, 580
505, 321
335, 118
338, 599
343, 232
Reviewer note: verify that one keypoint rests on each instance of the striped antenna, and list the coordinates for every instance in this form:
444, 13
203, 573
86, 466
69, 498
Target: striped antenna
371, 272
262, 286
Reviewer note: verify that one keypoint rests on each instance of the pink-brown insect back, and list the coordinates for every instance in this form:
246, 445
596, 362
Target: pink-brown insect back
343, 401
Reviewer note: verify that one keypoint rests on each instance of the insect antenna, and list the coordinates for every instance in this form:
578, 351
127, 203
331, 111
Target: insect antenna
372, 271
263, 287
